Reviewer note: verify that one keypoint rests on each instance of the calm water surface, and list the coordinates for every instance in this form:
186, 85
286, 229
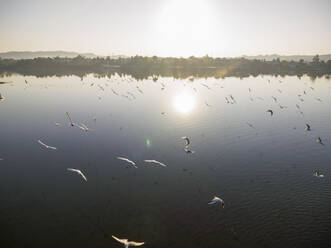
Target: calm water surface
263, 172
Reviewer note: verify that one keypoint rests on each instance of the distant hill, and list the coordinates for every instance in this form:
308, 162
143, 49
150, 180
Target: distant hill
51, 54
324, 57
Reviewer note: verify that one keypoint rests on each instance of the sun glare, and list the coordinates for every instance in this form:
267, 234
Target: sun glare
184, 102
185, 27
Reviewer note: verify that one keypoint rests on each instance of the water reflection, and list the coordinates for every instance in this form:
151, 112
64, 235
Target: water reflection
251, 160
184, 102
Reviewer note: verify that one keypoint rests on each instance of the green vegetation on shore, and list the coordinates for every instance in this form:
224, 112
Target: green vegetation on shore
142, 67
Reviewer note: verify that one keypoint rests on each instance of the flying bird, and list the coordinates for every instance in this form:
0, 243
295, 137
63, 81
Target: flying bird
317, 174
307, 127
249, 124
128, 160
155, 161
139, 90
69, 119
84, 127
319, 140
217, 200
47, 146
127, 243
133, 96
114, 92
206, 86
234, 101
79, 172
208, 105
271, 112
187, 143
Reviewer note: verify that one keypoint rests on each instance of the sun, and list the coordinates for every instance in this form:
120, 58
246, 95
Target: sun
184, 102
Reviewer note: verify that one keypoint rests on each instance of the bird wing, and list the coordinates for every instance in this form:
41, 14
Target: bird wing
43, 144
187, 141
81, 127
162, 164
136, 243
69, 119
215, 200
123, 241
52, 147
134, 165
128, 160
155, 161
83, 176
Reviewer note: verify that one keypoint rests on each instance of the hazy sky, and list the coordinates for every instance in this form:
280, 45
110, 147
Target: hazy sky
167, 27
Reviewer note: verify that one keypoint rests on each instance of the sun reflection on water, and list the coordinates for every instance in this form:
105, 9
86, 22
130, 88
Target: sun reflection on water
184, 102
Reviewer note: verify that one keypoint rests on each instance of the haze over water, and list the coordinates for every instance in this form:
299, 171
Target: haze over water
261, 165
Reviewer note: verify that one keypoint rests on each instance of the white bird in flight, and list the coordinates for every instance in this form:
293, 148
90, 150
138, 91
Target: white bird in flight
84, 127
128, 243
128, 160
69, 119
155, 161
217, 200
47, 146
79, 172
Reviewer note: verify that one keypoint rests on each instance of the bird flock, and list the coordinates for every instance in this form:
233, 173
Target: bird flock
230, 99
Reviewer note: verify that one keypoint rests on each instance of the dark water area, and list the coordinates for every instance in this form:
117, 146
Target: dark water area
260, 165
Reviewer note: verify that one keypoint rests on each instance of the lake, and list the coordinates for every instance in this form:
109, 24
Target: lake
260, 164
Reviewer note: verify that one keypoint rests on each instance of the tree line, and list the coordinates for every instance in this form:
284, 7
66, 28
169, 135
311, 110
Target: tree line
142, 67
